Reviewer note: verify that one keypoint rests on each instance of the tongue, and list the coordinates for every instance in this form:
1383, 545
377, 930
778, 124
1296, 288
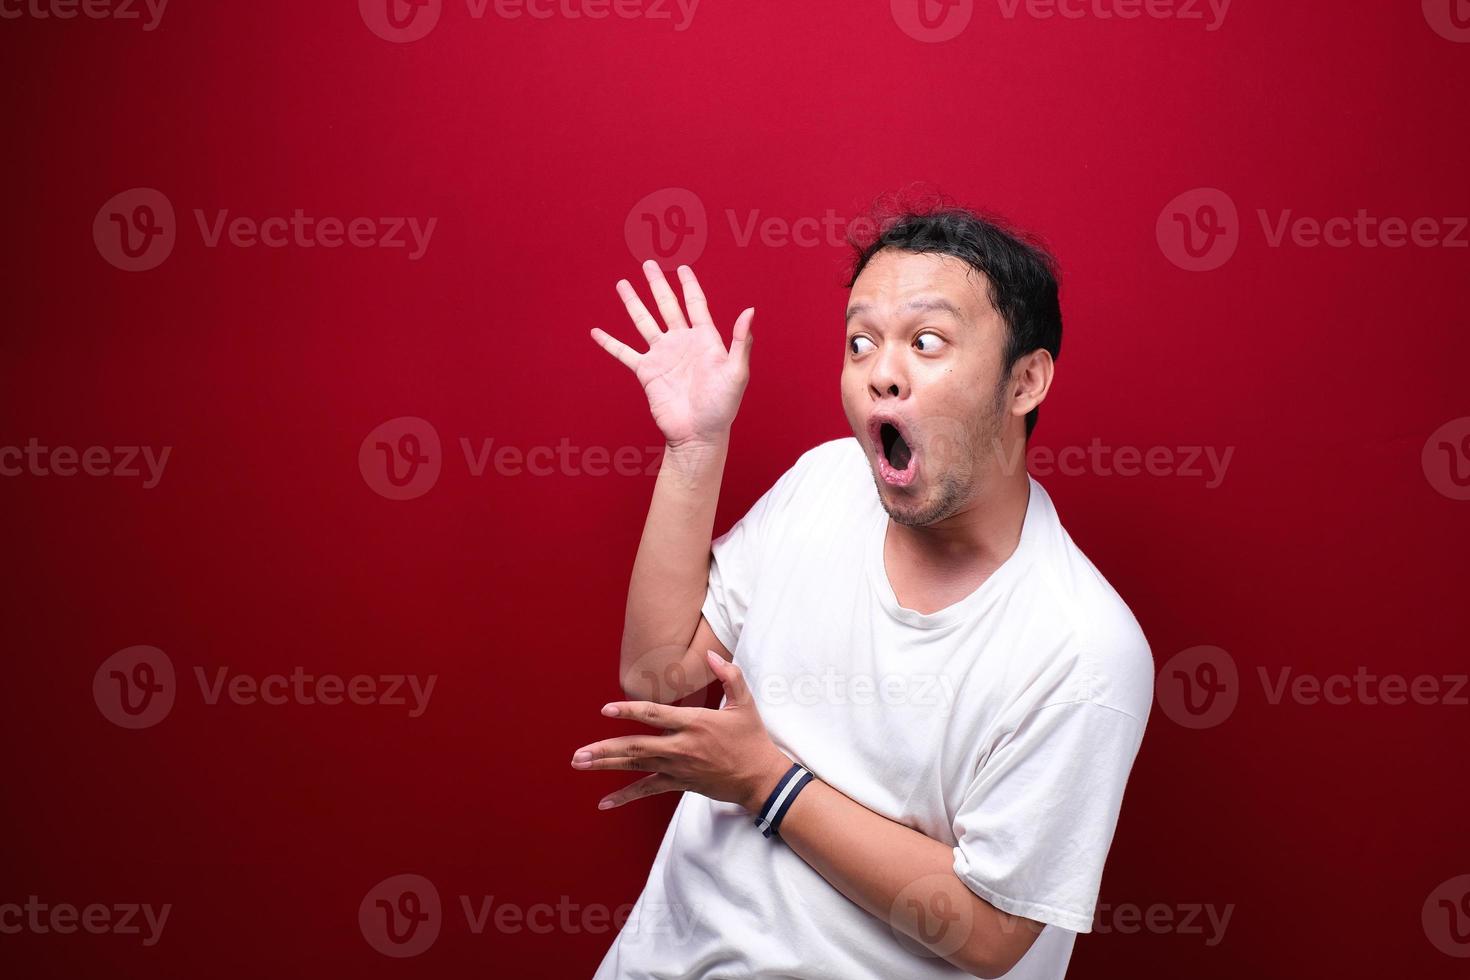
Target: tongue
898, 453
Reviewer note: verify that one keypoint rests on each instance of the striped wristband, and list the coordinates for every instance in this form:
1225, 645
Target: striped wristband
781, 798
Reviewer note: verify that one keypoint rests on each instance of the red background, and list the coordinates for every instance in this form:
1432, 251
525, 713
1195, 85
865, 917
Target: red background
263, 548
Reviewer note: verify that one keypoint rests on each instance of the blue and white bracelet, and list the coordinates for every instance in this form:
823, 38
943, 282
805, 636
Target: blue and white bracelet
781, 798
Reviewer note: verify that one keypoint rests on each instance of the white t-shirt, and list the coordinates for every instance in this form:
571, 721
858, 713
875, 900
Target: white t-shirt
1003, 725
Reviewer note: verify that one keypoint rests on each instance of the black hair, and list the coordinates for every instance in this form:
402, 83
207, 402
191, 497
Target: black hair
1023, 275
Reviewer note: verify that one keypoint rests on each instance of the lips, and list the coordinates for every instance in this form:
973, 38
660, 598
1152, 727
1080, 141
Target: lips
891, 438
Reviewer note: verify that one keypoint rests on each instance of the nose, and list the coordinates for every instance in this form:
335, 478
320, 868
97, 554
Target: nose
887, 378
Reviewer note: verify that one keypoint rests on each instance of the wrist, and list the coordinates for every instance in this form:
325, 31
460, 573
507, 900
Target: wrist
767, 775
700, 443
696, 462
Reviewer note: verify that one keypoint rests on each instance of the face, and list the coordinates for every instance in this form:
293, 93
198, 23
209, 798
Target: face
921, 381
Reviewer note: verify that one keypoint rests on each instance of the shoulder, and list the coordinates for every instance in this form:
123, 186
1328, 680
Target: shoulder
838, 464
825, 485
834, 456
1114, 664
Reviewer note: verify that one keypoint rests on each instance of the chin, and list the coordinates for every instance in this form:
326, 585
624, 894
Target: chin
907, 509
914, 510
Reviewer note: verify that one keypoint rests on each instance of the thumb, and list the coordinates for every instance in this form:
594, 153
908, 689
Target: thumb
731, 678
741, 337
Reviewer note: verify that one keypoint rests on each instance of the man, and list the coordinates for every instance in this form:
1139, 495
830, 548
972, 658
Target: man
932, 699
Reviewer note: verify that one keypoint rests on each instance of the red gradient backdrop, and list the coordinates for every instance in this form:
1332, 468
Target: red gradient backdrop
1332, 544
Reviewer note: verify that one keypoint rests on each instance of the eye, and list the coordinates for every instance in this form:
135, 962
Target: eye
855, 345
928, 342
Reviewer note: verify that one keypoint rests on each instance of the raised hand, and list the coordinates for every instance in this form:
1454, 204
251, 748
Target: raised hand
693, 383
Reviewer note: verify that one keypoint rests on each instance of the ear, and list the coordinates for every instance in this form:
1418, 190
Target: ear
1030, 381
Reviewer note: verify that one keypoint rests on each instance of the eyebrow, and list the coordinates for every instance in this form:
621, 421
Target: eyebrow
922, 304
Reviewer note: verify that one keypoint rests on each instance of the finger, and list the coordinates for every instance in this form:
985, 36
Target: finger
651, 713
652, 763
625, 354
731, 678
647, 786
638, 313
741, 337
694, 300
668, 304
623, 747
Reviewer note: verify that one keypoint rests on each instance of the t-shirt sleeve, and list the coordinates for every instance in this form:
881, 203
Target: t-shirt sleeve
735, 556
1035, 825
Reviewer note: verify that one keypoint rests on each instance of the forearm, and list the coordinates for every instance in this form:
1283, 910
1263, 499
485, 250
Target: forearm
671, 571
905, 879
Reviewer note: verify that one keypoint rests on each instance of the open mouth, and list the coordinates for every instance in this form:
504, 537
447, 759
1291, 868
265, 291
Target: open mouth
895, 447
895, 456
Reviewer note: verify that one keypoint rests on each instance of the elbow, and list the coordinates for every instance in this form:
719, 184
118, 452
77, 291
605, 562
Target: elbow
632, 690
984, 966
990, 954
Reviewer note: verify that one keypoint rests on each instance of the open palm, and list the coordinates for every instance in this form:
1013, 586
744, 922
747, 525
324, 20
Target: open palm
692, 383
